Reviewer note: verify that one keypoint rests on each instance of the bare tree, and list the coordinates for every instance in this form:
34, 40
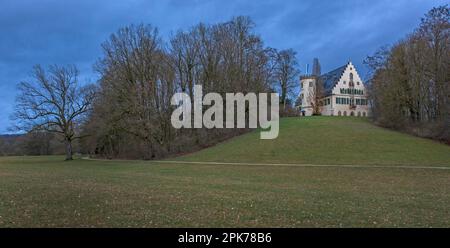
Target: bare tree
137, 81
286, 74
54, 102
185, 50
315, 95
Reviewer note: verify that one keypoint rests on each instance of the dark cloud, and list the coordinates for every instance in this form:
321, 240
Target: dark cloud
70, 32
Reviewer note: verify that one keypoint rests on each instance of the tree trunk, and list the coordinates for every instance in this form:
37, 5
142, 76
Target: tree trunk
68, 149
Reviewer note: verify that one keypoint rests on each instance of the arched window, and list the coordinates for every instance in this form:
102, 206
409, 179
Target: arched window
352, 114
351, 76
359, 113
345, 113
339, 113
364, 114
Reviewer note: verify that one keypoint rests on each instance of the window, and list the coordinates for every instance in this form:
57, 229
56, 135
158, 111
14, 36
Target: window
364, 114
357, 83
310, 84
352, 114
339, 113
345, 113
351, 76
359, 114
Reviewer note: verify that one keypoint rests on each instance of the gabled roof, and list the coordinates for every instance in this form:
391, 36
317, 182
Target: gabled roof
330, 79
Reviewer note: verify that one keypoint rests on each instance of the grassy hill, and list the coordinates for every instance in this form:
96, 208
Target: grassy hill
48, 192
329, 140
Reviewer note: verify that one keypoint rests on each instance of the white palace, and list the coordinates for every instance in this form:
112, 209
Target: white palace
342, 93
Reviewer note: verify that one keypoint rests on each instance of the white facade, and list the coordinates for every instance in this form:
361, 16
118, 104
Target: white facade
344, 93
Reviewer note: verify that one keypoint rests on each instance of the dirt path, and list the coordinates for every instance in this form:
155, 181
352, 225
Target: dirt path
287, 164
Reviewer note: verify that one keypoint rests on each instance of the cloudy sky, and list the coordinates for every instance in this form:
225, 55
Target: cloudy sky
70, 32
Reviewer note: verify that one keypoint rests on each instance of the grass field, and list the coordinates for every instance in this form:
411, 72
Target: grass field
409, 191
329, 140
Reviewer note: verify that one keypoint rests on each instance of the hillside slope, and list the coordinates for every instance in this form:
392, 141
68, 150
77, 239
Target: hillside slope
329, 140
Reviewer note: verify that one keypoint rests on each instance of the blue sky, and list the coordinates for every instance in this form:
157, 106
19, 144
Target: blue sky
70, 32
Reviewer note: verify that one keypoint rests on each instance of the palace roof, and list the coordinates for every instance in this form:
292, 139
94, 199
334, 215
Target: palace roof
330, 79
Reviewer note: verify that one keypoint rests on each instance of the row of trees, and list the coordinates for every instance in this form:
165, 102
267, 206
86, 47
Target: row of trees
410, 85
127, 114
33, 143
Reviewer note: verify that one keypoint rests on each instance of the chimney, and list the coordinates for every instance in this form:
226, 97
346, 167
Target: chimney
316, 70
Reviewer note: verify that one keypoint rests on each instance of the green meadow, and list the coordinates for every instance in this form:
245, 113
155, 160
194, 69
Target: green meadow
319, 172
